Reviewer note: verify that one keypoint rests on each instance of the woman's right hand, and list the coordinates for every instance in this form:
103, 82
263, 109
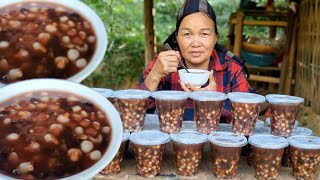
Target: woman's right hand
166, 63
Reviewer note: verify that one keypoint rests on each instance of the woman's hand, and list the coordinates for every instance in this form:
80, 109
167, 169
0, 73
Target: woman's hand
166, 63
212, 86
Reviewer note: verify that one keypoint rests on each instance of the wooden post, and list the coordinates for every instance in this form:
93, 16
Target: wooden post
149, 31
238, 35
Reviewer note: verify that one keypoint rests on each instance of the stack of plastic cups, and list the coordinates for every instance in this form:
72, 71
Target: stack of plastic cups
305, 156
283, 111
188, 147
245, 108
170, 107
286, 159
267, 151
132, 105
114, 167
226, 149
109, 94
208, 107
149, 147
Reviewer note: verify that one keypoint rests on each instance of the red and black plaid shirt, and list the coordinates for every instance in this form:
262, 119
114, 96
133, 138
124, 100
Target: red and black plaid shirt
228, 74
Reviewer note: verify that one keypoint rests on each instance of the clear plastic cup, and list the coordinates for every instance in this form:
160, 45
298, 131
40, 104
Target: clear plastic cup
189, 126
187, 148
149, 147
283, 113
305, 156
267, 151
225, 127
132, 105
114, 167
170, 107
109, 94
245, 108
208, 107
259, 123
226, 149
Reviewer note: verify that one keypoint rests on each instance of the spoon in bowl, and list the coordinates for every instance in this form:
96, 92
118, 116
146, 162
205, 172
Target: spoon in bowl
169, 48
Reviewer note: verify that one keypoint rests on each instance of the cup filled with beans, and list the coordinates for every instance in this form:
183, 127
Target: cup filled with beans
132, 104
208, 108
62, 39
50, 131
187, 148
305, 156
170, 107
283, 113
245, 109
226, 149
267, 151
108, 94
149, 147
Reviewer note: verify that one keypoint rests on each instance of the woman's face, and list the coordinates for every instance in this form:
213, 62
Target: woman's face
196, 38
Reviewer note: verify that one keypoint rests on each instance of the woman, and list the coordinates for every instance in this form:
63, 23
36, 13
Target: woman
194, 42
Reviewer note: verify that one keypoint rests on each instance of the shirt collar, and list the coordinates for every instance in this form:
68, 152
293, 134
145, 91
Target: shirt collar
218, 61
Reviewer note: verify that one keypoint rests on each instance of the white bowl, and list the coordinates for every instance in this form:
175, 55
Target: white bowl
98, 26
196, 77
17, 88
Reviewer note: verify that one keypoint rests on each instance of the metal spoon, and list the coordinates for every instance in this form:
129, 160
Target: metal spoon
168, 47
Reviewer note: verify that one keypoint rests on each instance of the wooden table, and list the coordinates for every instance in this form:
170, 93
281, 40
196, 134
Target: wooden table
128, 171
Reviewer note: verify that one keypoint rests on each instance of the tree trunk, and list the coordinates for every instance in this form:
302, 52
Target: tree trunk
149, 31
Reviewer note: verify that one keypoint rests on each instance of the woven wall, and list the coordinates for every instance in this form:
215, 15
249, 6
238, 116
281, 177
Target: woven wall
308, 54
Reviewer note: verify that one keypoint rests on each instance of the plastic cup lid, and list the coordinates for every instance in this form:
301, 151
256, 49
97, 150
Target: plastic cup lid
267, 122
225, 127
259, 123
105, 92
305, 142
283, 99
227, 139
132, 94
268, 141
301, 131
243, 97
208, 96
149, 138
125, 136
170, 95
189, 137
262, 130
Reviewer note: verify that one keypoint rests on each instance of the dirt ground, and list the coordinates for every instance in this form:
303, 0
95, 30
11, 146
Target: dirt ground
308, 118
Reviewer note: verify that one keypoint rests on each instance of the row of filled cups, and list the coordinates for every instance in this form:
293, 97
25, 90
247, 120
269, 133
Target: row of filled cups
245, 108
265, 155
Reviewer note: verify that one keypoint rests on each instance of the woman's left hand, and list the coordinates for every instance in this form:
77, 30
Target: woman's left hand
212, 86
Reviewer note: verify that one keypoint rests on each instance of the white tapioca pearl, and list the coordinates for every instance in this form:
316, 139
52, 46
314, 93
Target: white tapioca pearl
63, 19
91, 39
4, 44
63, 119
106, 130
74, 154
39, 46
26, 167
14, 24
61, 62
13, 137
86, 146
95, 155
66, 39
78, 130
76, 108
73, 54
50, 28
23, 53
83, 48
34, 146
6, 121
56, 129
51, 139
44, 37
81, 63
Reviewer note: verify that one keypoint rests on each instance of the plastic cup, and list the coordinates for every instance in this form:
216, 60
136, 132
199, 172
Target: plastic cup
114, 167
245, 108
305, 156
132, 106
208, 108
170, 107
267, 151
149, 147
225, 127
226, 149
109, 94
267, 123
286, 159
259, 123
283, 113
187, 148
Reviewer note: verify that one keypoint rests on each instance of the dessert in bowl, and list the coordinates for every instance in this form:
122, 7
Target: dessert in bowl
196, 77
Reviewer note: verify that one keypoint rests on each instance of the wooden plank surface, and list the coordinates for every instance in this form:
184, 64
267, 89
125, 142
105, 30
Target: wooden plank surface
128, 170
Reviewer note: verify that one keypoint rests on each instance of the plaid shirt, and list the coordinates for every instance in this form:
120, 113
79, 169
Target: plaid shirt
228, 75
